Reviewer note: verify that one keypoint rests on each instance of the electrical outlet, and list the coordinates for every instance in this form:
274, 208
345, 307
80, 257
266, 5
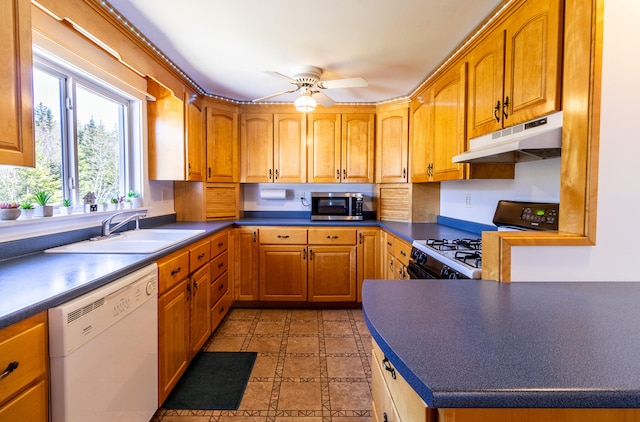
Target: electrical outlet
299, 195
467, 200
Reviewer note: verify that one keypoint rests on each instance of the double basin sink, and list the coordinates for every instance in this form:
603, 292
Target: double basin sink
130, 242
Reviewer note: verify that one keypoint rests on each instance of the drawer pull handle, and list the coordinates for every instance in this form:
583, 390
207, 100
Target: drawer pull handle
220, 244
403, 253
221, 310
200, 256
387, 366
332, 237
176, 271
283, 236
221, 287
384, 417
10, 368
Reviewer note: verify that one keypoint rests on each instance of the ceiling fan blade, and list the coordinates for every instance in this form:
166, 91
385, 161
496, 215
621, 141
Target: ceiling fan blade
323, 99
274, 95
281, 76
344, 83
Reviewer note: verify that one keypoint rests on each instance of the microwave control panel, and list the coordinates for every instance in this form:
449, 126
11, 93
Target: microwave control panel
527, 215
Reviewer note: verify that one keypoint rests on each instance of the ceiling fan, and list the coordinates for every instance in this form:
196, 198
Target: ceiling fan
306, 79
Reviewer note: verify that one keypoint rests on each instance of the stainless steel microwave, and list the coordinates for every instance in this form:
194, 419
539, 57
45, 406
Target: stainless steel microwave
336, 206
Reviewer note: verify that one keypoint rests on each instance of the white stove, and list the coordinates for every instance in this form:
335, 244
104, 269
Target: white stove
443, 258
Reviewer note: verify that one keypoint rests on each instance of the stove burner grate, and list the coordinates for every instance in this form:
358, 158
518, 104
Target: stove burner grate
442, 244
471, 258
475, 244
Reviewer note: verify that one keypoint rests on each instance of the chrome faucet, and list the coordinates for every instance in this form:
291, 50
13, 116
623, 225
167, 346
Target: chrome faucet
107, 230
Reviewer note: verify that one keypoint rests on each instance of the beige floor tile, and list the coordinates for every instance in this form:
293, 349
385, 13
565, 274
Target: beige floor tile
300, 396
242, 313
344, 367
301, 367
269, 327
337, 327
303, 327
265, 344
186, 419
340, 345
303, 344
304, 315
256, 396
233, 327
265, 367
350, 396
335, 315
225, 344
273, 314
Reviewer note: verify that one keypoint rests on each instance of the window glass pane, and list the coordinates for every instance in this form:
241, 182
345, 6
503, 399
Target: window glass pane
18, 184
99, 133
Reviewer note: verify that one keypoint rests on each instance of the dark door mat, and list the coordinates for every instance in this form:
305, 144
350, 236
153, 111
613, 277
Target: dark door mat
213, 381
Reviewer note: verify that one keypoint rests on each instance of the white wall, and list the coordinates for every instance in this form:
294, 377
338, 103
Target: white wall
616, 248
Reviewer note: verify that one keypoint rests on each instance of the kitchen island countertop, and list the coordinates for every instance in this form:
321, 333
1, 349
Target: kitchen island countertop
462, 343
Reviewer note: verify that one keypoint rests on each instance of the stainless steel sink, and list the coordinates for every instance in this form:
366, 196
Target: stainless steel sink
130, 242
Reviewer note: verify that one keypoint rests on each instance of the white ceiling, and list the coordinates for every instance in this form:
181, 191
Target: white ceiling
225, 46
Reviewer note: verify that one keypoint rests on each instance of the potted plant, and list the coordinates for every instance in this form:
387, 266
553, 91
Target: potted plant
42, 209
103, 205
65, 208
127, 203
9, 211
114, 203
134, 197
26, 210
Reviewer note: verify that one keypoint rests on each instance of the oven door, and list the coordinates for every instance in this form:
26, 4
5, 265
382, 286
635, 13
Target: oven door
416, 272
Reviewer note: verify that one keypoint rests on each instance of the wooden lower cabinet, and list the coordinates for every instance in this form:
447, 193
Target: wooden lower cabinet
245, 264
368, 252
24, 391
332, 273
283, 273
199, 308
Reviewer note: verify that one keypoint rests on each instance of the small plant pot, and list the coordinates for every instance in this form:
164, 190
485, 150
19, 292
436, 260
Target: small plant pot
9, 213
102, 207
43, 211
136, 202
64, 210
26, 214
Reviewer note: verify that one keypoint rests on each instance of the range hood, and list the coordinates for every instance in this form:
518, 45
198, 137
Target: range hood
533, 140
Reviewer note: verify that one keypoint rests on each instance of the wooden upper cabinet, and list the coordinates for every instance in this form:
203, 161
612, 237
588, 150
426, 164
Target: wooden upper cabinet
515, 72
290, 148
195, 140
392, 146
422, 138
324, 148
17, 144
341, 148
166, 134
448, 123
273, 148
222, 145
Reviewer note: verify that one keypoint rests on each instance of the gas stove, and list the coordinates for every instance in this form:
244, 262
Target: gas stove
444, 258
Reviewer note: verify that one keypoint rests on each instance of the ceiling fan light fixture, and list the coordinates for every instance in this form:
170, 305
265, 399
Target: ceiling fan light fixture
305, 103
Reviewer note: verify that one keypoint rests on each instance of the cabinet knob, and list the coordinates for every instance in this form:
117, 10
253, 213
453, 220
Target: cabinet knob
276, 174
10, 368
384, 417
344, 174
338, 174
270, 172
176, 271
387, 367
201, 256
404, 173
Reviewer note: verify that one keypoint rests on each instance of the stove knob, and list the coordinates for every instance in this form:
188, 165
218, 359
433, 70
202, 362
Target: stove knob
444, 273
453, 275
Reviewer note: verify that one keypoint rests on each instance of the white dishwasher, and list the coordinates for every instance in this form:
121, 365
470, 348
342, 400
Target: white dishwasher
103, 349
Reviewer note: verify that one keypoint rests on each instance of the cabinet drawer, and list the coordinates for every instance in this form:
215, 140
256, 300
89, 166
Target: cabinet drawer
199, 254
383, 408
25, 344
29, 406
390, 241
332, 236
172, 269
219, 287
219, 310
283, 236
219, 265
409, 405
402, 251
219, 244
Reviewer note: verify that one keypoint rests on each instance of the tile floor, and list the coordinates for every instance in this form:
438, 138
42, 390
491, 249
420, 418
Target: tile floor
312, 366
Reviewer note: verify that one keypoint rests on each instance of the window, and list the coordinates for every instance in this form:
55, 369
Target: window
83, 140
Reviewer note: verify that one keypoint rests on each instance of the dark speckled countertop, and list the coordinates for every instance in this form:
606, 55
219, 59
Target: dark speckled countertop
462, 343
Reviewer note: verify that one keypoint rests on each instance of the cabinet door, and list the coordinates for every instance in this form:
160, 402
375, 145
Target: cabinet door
173, 338
422, 138
357, 148
392, 146
195, 141
245, 261
283, 273
256, 148
17, 143
200, 307
222, 145
166, 134
324, 148
332, 273
449, 107
368, 250
486, 77
533, 60
290, 148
